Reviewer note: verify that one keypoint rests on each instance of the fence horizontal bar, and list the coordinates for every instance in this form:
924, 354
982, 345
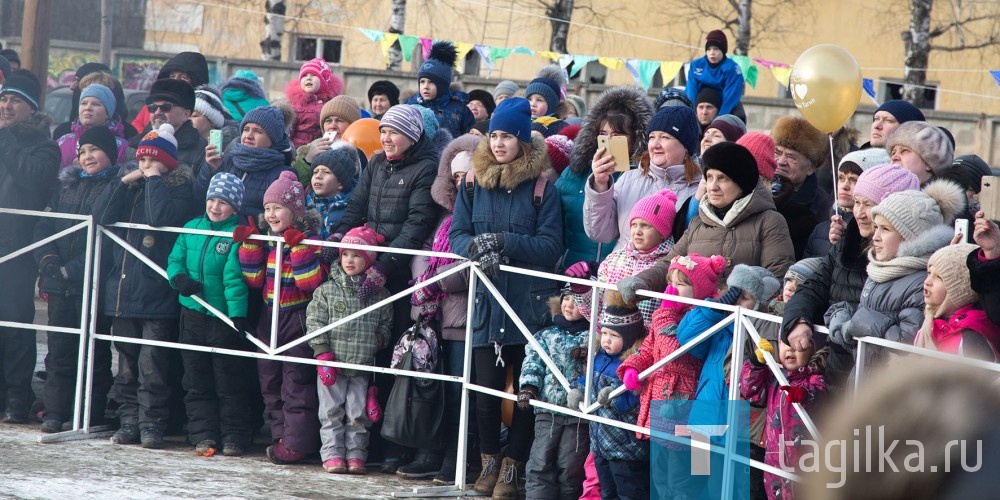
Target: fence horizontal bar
44, 241
944, 356
40, 213
33, 326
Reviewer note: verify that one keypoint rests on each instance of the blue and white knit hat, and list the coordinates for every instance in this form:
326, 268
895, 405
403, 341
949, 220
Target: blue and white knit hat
406, 119
24, 84
228, 188
160, 145
102, 94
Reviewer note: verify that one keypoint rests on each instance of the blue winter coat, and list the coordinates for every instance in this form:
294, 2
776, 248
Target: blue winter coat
502, 202
257, 177
725, 77
451, 110
607, 442
558, 342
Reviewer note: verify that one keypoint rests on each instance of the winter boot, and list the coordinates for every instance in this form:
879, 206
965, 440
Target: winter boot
281, 455
152, 438
488, 477
127, 434
426, 465
446, 475
506, 487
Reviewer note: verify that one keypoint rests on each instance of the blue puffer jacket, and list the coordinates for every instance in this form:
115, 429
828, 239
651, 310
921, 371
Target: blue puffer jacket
451, 110
502, 202
607, 442
132, 289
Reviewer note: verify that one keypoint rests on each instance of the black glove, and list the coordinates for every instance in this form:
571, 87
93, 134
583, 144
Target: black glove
240, 324
53, 270
525, 395
484, 244
490, 264
185, 285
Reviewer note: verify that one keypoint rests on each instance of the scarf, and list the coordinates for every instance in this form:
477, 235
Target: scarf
327, 208
103, 173
251, 159
882, 272
443, 245
570, 326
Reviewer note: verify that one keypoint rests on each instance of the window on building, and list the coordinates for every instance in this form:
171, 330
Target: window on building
472, 62
889, 89
310, 47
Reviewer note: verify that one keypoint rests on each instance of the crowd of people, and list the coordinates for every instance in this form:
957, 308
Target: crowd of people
705, 209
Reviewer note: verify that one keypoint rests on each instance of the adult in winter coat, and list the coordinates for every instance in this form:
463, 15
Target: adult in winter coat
98, 73
672, 141
618, 111
242, 93
61, 264
841, 275
501, 224
29, 164
97, 108
909, 227
258, 159
716, 71
736, 219
190, 67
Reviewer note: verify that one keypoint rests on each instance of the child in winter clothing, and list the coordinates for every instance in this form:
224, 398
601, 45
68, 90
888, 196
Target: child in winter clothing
555, 465
650, 223
61, 265
315, 85
343, 411
289, 389
796, 275
242, 93
804, 371
691, 276
716, 71
451, 108
142, 304
333, 176
208, 267
621, 458
952, 321
909, 227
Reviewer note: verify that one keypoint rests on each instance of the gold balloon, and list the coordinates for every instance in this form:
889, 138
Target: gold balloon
826, 86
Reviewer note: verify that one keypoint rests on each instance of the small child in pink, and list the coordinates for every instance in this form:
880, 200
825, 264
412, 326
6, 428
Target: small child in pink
315, 86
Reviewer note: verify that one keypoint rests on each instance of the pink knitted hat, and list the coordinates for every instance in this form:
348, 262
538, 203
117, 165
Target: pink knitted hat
320, 68
288, 192
761, 146
703, 272
363, 235
657, 209
880, 181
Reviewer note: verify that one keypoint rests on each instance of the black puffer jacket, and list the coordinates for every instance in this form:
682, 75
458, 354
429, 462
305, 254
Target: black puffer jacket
840, 278
984, 274
132, 289
77, 195
394, 199
803, 210
29, 164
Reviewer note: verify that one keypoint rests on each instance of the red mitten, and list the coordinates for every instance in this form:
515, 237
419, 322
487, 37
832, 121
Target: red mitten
293, 236
241, 233
794, 394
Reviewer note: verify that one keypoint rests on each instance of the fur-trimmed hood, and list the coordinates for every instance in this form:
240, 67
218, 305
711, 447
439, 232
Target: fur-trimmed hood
443, 191
181, 175
492, 175
297, 97
309, 221
70, 176
631, 100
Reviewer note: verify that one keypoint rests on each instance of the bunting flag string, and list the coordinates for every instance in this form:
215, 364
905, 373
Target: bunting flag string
642, 70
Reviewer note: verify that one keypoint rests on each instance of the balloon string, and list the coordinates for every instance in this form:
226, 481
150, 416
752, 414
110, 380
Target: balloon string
833, 168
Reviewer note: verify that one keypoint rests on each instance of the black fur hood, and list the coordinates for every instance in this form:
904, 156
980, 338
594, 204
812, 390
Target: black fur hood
632, 101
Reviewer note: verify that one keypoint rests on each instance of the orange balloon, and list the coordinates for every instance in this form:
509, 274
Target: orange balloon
364, 135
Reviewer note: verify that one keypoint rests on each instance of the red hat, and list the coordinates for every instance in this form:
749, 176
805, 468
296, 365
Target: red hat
761, 146
559, 149
363, 235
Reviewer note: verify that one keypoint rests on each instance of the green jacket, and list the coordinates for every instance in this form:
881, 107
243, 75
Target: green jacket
214, 261
355, 341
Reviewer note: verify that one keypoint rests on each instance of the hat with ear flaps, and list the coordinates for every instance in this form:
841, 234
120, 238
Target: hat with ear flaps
625, 320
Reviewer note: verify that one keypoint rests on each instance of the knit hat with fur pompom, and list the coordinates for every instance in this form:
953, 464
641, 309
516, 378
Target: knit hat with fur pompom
913, 212
625, 320
702, 272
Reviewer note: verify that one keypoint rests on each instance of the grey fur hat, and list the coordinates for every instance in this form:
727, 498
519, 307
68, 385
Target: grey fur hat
928, 141
757, 281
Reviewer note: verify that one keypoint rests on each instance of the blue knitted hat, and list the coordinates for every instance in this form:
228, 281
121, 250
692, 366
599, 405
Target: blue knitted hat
102, 94
226, 187
438, 66
902, 110
272, 121
681, 123
513, 115
548, 84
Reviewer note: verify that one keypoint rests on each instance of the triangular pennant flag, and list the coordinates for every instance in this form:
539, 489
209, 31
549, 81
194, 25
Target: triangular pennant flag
869, 86
750, 76
463, 49
612, 63
484, 53
406, 45
769, 64
552, 56
669, 69
579, 62
520, 49
373, 35
647, 69
632, 65
781, 74
743, 62
498, 53
996, 75
425, 45
386, 42
565, 60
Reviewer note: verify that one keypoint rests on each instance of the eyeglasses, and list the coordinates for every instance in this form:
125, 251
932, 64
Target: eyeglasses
166, 107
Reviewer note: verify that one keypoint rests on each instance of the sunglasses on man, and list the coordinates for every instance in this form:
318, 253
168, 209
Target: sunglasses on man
166, 107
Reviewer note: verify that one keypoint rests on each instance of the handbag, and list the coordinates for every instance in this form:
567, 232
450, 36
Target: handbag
415, 409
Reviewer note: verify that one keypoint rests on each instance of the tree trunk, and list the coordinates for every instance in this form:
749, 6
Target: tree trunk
918, 48
743, 29
274, 28
560, 12
396, 24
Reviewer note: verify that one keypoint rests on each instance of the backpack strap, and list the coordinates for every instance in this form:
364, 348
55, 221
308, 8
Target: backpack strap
536, 198
470, 184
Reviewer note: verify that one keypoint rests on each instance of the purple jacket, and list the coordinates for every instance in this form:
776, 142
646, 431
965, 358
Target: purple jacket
67, 143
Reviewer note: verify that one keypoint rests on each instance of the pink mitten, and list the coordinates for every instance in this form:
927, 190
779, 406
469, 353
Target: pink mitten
374, 409
327, 374
670, 304
631, 379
